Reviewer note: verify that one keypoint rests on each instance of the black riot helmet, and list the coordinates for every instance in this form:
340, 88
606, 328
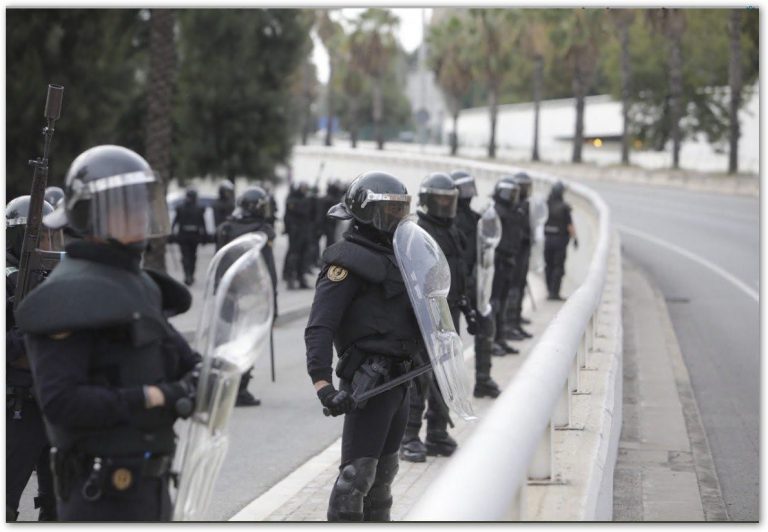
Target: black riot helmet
556, 192
374, 198
226, 190
506, 191
438, 196
253, 203
191, 195
112, 194
526, 185
16, 213
53, 195
465, 182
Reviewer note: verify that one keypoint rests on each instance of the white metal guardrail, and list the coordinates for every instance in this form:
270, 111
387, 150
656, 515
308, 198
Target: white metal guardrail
513, 444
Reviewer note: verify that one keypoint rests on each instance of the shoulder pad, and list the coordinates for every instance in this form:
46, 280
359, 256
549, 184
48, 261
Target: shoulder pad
177, 299
358, 259
81, 295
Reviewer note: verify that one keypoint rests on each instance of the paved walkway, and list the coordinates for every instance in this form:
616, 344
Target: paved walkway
664, 470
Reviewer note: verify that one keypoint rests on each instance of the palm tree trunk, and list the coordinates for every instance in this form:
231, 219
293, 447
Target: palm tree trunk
307, 118
158, 149
734, 80
455, 133
578, 134
676, 95
353, 121
625, 77
493, 100
377, 113
329, 125
537, 78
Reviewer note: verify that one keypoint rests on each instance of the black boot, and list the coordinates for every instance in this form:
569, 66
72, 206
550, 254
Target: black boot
523, 332
378, 503
246, 398
291, 283
514, 334
438, 441
412, 449
352, 485
485, 386
525, 321
506, 348
303, 283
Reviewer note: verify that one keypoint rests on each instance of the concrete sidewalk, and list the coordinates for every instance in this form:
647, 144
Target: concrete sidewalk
303, 495
665, 470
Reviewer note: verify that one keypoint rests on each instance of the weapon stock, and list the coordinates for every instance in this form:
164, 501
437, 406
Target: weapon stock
39, 181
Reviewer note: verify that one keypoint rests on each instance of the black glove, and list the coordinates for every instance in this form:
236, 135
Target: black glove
575, 243
337, 402
471, 316
180, 395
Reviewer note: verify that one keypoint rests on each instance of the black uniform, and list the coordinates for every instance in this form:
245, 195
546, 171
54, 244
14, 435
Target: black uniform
91, 355
517, 288
362, 308
556, 243
191, 232
466, 223
299, 226
26, 445
230, 230
505, 265
222, 208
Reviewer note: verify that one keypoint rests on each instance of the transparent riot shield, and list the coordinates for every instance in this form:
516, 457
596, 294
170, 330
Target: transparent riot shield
232, 332
427, 278
538, 212
488, 237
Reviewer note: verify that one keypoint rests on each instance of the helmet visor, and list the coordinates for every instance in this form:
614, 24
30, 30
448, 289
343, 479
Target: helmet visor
387, 214
439, 202
127, 207
466, 186
507, 192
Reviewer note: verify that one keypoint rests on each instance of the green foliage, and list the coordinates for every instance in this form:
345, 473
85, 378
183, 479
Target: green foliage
100, 58
233, 90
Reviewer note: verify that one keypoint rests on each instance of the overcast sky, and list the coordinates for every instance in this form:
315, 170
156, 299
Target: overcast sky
409, 33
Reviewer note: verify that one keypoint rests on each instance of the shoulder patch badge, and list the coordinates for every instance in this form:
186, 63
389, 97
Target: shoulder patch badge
122, 479
61, 335
336, 274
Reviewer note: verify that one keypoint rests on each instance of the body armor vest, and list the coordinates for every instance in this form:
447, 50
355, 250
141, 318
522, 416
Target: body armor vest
466, 222
557, 222
129, 330
511, 231
452, 244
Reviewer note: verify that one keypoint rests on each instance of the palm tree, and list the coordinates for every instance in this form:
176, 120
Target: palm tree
353, 86
671, 22
623, 18
452, 65
162, 64
373, 46
734, 80
331, 34
583, 34
535, 42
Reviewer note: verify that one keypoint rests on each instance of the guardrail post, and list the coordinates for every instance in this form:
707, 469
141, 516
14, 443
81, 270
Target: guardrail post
541, 467
517, 508
573, 378
562, 415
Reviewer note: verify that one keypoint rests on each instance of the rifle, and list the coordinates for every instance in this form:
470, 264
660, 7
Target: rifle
32, 259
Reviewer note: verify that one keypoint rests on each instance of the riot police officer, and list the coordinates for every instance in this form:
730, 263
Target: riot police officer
224, 204
251, 215
26, 445
110, 372
466, 223
557, 231
333, 195
299, 227
362, 308
506, 194
190, 220
438, 198
517, 290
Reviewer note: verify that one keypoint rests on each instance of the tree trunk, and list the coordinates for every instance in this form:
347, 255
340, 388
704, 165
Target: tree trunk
625, 77
578, 134
734, 80
329, 125
493, 107
158, 149
455, 134
537, 78
353, 121
377, 113
676, 95
307, 104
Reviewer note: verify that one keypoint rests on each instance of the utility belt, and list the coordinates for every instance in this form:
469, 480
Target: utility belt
117, 475
189, 229
360, 371
16, 397
552, 230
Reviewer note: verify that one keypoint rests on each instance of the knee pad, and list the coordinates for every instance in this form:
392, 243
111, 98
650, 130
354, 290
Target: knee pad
377, 505
352, 485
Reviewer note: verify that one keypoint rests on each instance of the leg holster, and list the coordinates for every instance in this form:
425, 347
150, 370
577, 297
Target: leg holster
352, 485
378, 503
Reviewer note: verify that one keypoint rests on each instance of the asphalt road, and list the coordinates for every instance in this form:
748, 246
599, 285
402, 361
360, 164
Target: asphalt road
703, 251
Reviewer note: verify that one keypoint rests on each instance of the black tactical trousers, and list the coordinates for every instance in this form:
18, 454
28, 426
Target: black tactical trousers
188, 256
27, 449
554, 262
517, 288
297, 256
376, 429
423, 392
147, 500
503, 278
